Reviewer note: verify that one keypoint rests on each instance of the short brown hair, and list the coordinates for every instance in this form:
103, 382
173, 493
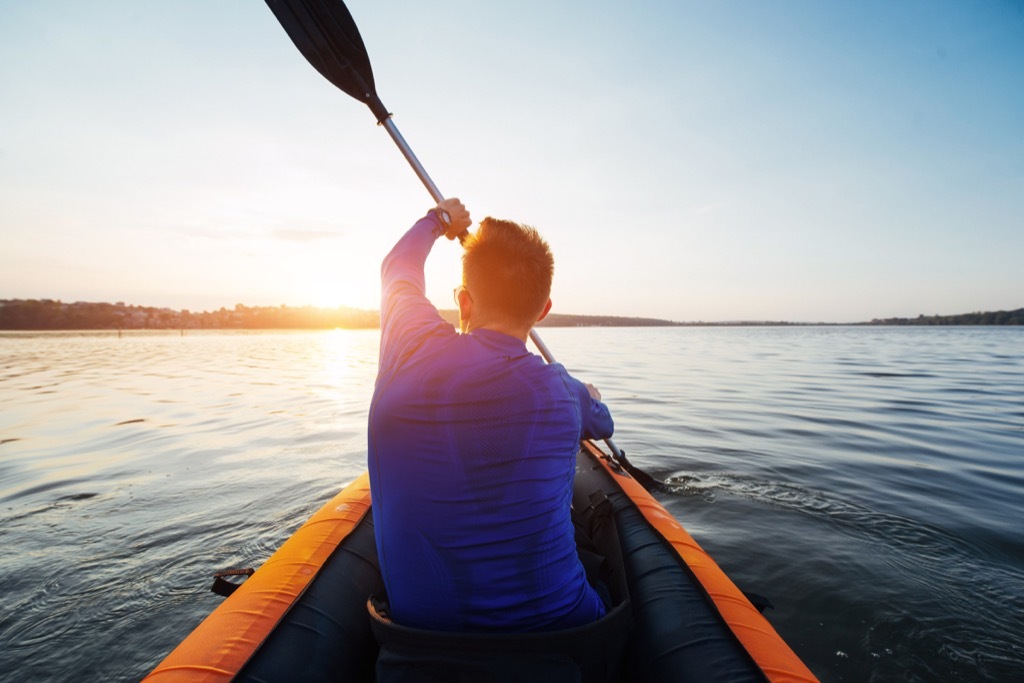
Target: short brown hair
508, 268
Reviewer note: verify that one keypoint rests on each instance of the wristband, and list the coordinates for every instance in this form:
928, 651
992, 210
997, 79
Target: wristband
443, 216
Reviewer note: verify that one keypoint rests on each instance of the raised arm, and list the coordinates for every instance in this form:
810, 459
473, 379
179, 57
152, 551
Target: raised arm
405, 312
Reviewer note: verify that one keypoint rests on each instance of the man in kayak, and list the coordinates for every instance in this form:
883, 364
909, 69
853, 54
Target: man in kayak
472, 441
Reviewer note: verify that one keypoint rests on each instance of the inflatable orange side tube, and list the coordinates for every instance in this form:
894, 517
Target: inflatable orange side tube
221, 645
771, 653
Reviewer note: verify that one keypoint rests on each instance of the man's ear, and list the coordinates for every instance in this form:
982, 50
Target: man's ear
544, 313
465, 304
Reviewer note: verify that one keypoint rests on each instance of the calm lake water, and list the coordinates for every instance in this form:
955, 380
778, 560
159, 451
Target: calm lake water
869, 481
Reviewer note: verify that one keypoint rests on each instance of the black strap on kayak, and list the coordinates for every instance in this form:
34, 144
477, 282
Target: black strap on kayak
597, 536
222, 587
760, 602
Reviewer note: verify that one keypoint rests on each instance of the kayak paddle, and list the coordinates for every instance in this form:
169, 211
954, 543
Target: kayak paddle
328, 38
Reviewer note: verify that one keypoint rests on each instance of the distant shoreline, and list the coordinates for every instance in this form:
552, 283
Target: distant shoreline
47, 314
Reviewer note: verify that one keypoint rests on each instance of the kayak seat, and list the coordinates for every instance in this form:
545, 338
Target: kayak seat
592, 653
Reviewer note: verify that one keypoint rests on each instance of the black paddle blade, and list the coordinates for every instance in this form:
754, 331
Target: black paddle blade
327, 37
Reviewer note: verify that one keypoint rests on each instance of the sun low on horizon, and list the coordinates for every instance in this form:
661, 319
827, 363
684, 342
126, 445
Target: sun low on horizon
334, 292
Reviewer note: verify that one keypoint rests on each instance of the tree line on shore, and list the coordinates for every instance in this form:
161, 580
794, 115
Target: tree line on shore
1015, 317
47, 314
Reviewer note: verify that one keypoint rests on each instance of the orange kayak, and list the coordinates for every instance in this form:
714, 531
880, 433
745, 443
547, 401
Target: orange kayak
303, 615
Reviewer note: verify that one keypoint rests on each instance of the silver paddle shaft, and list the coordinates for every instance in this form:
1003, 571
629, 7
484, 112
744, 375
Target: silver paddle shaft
421, 172
392, 130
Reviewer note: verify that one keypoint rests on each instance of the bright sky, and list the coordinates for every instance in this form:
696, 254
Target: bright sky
789, 160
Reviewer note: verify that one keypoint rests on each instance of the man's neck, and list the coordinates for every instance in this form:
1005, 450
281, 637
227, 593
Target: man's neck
496, 326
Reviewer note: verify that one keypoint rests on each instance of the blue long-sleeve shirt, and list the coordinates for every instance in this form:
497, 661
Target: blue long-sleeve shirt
472, 444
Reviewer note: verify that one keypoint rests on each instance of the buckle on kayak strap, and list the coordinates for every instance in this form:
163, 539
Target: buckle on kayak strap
599, 504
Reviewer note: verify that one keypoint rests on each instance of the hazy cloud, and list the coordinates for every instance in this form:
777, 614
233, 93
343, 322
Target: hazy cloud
304, 236
708, 208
